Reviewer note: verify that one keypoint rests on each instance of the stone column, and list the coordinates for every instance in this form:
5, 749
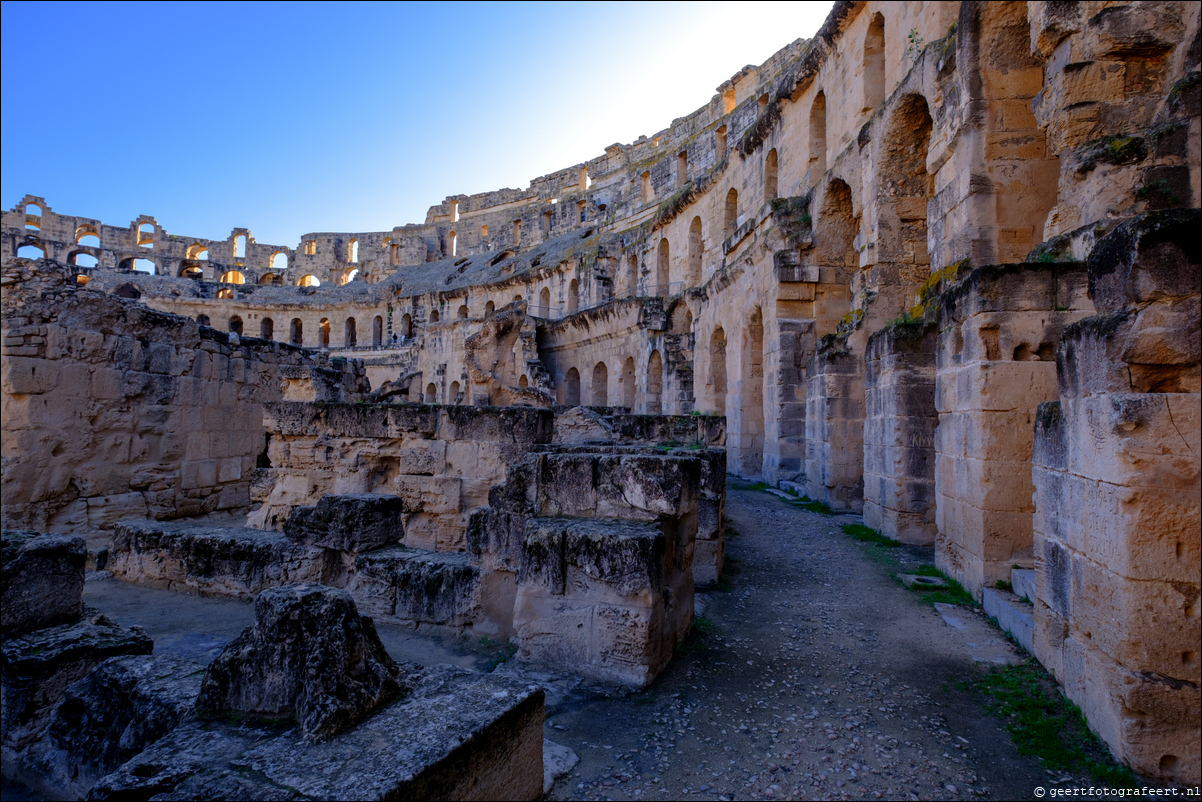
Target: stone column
835, 429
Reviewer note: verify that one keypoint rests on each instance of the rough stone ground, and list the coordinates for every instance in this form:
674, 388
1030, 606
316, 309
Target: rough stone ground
821, 677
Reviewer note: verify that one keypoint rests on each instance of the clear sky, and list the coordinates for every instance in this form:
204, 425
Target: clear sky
294, 117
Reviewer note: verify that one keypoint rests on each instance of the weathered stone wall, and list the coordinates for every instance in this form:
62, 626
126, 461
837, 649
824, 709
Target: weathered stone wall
112, 410
835, 430
1117, 522
999, 329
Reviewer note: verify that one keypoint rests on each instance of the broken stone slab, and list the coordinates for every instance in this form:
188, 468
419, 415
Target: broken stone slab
38, 666
417, 586
458, 735
41, 580
1013, 616
557, 761
222, 561
113, 713
309, 656
1023, 582
349, 522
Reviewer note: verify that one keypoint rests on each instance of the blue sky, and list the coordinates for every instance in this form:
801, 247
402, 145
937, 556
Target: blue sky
295, 117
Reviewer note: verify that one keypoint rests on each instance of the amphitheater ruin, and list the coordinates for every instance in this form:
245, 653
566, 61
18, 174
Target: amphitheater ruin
938, 266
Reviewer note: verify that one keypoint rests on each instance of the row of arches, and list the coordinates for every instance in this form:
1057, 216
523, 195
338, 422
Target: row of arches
296, 330
627, 392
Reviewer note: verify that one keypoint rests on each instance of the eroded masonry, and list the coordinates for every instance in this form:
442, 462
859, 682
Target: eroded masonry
939, 264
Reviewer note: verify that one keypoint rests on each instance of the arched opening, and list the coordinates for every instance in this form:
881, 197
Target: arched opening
517, 233
544, 302
352, 252
874, 63
198, 251
146, 235
717, 380
728, 100
751, 430
86, 235
225, 294
655, 384
905, 187
31, 252
696, 246
233, 277
296, 333
349, 276
463, 313
407, 325
271, 280
202, 320
82, 279
730, 216
489, 308
235, 324
267, 328
682, 320
191, 271
629, 390
662, 269
128, 291
33, 210
632, 274
323, 326
682, 168
647, 191
770, 176
817, 138
600, 385
452, 243
309, 280
524, 381
240, 246
455, 397
720, 143
573, 296
434, 316
571, 387
834, 233
377, 331
278, 261
350, 337
81, 259
145, 266
431, 393
548, 218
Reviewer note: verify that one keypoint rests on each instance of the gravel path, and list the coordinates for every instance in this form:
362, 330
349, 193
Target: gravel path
822, 678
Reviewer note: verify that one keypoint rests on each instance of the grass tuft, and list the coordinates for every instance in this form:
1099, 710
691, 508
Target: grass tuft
954, 593
869, 535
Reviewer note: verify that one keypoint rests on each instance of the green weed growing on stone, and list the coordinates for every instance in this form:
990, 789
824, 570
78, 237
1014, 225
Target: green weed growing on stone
954, 593
869, 535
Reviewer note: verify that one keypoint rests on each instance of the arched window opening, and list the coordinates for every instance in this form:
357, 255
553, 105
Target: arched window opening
762, 100
203, 320
31, 252
233, 277
584, 179
377, 331
905, 189
349, 336
730, 216
454, 211
571, 388
544, 303
524, 381
629, 390
323, 326
455, 396
720, 143
225, 294
310, 247
489, 308
632, 274
717, 376
146, 235
296, 333
874, 63
573, 296
86, 235
407, 325
770, 176
82, 279
682, 320
696, 247
235, 325
648, 190
655, 384
484, 231
350, 276
682, 168
145, 266
548, 219
662, 269
600, 385
33, 210
192, 272
271, 280
581, 210
278, 261
431, 393
728, 100
352, 252
517, 298
517, 233
434, 316
453, 242
128, 291
752, 406
267, 328
309, 280
80, 259
462, 313
817, 138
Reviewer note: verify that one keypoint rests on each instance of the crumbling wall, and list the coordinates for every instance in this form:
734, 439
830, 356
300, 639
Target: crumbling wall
112, 410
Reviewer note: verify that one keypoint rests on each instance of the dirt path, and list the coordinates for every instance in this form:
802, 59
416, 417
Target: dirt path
821, 678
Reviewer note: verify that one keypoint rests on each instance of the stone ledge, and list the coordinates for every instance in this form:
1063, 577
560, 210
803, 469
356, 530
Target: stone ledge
1013, 616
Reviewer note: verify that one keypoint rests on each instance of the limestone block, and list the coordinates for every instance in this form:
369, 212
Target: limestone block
1148, 439
309, 656
28, 375
1144, 259
418, 586
430, 494
352, 522
42, 580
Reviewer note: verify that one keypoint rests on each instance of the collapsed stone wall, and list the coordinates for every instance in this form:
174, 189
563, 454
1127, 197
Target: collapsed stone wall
112, 410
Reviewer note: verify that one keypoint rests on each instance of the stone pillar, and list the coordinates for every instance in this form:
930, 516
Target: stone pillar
1117, 487
835, 429
999, 330
899, 432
